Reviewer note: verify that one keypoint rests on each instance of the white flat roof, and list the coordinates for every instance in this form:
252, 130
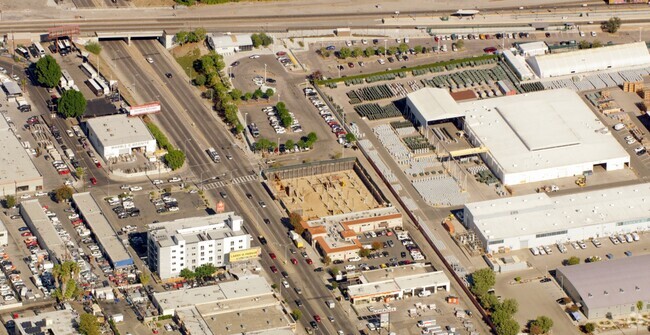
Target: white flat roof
533, 46
15, 163
622, 281
102, 229
589, 60
540, 130
401, 278
33, 212
538, 213
519, 64
62, 322
229, 41
245, 288
213, 227
435, 104
119, 129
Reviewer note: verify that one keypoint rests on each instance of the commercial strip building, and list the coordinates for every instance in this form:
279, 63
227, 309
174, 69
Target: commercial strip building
336, 235
537, 219
18, 175
41, 226
615, 57
116, 135
528, 137
244, 306
532, 48
61, 322
192, 242
609, 288
397, 283
228, 44
106, 237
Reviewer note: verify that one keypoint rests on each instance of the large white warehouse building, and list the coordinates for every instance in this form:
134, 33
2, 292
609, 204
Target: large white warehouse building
116, 135
588, 60
529, 137
537, 219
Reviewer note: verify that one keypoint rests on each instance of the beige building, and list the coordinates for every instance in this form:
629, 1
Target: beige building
18, 175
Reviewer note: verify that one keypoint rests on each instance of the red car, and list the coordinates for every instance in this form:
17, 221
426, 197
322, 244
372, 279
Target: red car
317, 318
309, 261
490, 50
274, 269
155, 331
272, 255
93, 180
26, 234
294, 261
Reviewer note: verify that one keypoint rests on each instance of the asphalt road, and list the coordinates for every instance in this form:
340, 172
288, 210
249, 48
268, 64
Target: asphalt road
191, 124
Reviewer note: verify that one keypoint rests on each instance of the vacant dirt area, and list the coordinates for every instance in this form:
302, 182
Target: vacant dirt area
153, 3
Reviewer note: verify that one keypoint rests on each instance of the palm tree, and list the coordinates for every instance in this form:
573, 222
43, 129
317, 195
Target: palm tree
639, 307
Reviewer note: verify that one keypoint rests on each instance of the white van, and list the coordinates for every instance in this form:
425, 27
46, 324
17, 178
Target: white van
619, 126
535, 251
635, 236
424, 293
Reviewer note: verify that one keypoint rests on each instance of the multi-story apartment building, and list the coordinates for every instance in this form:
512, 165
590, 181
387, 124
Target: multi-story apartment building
192, 242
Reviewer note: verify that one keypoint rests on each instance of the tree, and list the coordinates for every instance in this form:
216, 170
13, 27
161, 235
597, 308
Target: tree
289, 144
334, 285
377, 245
482, 281
296, 314
403, 47
324, 52
200, 33
80, 172
144, 278
181, 37
508, 327
199, 80
312, 137
460, 44
350, 137
344, 53
187, 274
175, 159
88, 324
573, 260
72, 103
63, 193
10, 201
590, 327
364, 252
509, 306
418, 49
327, 260
248, 96
334, 271
258, 94
612, 25
544, 323
295, 220
269, 93
236, 94
489, 301
596, 44
357, 52
94, 48
381, 51
263, 144
205, 270
392, 50
48, 72
370, 51
500, 316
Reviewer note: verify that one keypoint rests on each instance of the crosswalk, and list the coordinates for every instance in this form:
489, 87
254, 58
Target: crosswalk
235, 181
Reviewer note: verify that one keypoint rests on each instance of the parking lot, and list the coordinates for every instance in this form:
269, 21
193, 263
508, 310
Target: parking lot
288, 89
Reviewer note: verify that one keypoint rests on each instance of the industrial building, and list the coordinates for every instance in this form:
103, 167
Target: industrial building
192, 242
106, 237
41, 226
528, 137
535, 220
4, 237
397, 283
213, 309
610, 288
228, 44
614, 57
12, 89
335, 236
18, 175
116, 135
518, 65
532, 48
61, 322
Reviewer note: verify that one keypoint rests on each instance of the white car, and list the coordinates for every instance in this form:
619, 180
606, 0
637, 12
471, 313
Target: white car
69, 132
254, 56
135, 188
593, 33
40, 194
173, 209
630, 141
125, 187
150, 60
157, 182
15, 77
73, 216
350, 267
25, 196
364, 41
174, 180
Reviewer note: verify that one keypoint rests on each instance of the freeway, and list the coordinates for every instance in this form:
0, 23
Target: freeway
194, 128
137, 20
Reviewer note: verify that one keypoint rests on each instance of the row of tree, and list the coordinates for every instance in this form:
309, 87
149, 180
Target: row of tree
202, 272
174, 158
48, 74
261, 39
589, 45
284, 115
346, 52
236, 94
197, 35
308, 141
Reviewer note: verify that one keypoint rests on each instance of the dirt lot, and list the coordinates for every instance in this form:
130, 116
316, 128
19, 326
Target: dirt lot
153, 3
